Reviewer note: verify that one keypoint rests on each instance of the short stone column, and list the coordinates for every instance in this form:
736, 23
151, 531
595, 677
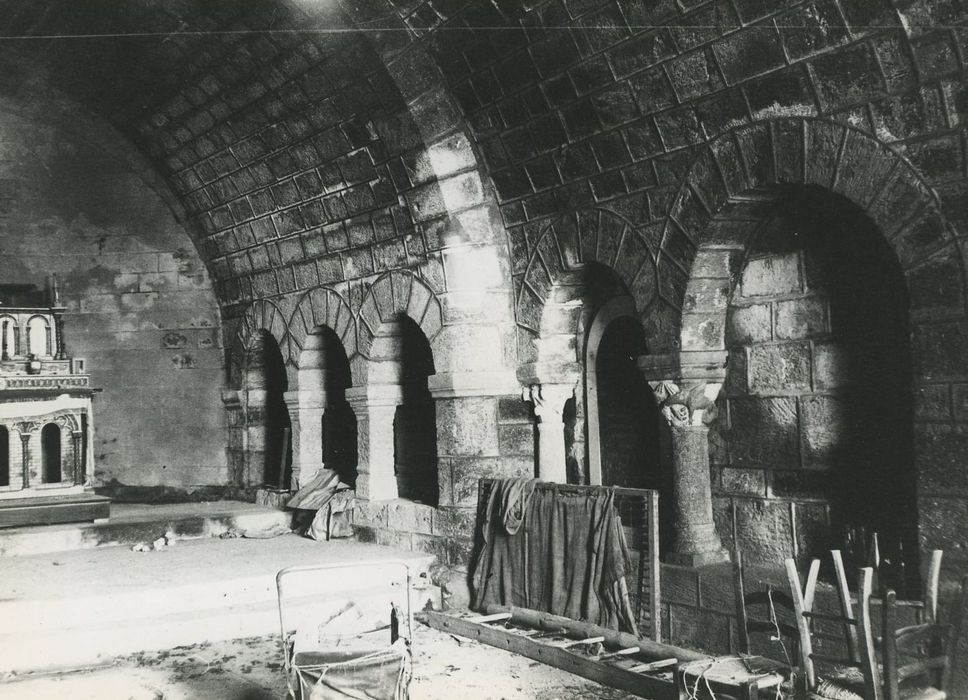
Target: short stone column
25, 453
77, 445
255, 436
549, 405
306, 418
684, 404
375, 407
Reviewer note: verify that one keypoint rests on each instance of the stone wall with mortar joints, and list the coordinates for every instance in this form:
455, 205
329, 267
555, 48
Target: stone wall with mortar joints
613, 116
141, 308
342, 165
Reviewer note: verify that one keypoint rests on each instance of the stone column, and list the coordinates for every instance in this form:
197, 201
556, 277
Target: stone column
306, 416
685, 401
77, 442
255, 437
60, 353
375, 407
25, 455
549, 404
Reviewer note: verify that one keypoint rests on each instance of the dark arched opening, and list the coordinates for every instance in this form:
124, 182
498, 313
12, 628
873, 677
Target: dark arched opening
324, 372
818, 452
4, 456
267, 373
50, 453
415, 420
627, 411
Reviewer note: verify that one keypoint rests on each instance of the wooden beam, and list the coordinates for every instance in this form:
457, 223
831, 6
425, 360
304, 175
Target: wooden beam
649, 648
606, 674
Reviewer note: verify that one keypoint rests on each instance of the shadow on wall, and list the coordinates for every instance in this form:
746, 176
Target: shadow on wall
819, 397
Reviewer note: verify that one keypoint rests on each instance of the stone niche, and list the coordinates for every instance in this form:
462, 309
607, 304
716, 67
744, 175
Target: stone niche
45, 415
813, 441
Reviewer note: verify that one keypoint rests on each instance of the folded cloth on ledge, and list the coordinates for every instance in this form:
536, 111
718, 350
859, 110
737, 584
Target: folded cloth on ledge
329, 497
566, 556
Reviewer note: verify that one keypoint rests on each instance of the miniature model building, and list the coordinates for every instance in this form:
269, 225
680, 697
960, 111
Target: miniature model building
45, 415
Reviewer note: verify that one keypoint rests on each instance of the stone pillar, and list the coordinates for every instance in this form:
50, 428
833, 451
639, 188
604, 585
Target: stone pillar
5, 352
685, 401
255, 437
375, 407
236, 443
549, 404
59, 335
306, 416
77, 443
25, 455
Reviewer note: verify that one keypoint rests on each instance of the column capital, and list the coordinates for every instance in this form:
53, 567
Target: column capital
374, 395
302, 399
690, 403
232, 398
548, 399
446, 385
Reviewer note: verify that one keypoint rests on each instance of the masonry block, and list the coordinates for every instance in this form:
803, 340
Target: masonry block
941, 350
801, 318
778, 274
410, 517
826, 427
940, 451
764, 529
780, 368
467, 426
763, 432
750, 324
680, 584
751, 482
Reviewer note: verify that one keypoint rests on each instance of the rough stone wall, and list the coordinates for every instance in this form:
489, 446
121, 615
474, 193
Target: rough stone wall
141, 309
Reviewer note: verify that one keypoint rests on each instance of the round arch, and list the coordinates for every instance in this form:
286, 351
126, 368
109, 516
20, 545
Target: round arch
549, 290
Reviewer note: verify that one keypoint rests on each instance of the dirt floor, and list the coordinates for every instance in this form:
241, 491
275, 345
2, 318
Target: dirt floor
445, 668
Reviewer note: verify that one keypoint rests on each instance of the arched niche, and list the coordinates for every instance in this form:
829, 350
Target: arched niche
814, 435
328, 434
39, 340
4, 456
269, 425
9, 335
400, 356
50, 454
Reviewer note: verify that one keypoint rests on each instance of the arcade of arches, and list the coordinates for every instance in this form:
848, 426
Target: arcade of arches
715, 248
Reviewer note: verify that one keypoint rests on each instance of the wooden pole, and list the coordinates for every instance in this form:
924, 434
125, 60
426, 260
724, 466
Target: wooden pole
582, 630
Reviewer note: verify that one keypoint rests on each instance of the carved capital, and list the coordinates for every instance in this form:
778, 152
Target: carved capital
549, 400
25, 429
690, 404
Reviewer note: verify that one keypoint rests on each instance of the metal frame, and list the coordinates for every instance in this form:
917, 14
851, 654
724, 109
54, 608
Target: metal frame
315, 568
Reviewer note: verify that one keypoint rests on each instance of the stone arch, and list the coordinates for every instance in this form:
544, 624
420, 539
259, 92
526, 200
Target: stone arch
260, 315
322, 306
615, 308
839, 158
549, 290
392, 294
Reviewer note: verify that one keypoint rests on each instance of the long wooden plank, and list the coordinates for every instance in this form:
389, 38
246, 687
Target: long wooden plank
606, 674
651, 649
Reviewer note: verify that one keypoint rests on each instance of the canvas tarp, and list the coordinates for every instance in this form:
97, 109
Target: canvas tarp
567, 556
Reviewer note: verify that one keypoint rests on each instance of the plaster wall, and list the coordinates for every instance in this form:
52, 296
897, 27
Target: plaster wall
140, 305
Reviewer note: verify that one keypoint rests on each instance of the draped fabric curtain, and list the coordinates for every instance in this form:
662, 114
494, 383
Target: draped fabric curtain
568, 557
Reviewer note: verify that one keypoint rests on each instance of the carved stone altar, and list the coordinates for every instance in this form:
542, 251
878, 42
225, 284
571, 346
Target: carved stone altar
45, 415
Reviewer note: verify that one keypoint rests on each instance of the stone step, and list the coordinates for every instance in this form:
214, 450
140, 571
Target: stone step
83, 607
131, 524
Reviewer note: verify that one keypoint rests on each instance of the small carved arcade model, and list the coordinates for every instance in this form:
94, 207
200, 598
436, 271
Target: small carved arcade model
45, 415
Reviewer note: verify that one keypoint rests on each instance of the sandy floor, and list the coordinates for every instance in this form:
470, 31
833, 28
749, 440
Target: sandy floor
445, 668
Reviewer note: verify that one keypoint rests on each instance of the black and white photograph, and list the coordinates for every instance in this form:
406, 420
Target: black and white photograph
483, 349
